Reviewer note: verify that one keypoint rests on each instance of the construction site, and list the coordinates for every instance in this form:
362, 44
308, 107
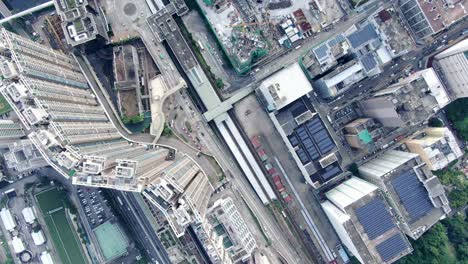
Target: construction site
242, 36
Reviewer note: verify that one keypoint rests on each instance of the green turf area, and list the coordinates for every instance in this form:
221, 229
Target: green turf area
4, 105
64, 237
112, 240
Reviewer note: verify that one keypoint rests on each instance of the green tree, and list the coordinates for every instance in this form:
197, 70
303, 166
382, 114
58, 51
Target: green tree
167, 131
353, 168
219, 83
457, 233
435, 122
457, 113
431, 248
459, 197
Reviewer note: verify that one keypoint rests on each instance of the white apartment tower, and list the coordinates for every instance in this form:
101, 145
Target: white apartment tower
71, 130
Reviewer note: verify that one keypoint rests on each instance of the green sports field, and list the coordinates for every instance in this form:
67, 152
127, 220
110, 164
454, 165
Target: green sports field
63, 235
4, 106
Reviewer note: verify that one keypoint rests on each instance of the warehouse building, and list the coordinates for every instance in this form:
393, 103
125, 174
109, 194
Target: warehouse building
415, 194
364, 222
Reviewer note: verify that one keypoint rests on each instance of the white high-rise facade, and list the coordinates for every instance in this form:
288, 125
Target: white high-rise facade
72, 131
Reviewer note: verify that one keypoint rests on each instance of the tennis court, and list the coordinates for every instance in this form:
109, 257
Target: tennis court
64, 237
112, 240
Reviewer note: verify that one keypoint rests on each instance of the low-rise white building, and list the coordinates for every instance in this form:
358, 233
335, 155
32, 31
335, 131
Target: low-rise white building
29, 215
38, 237
46, 258
8, 221
284, 87
18, 245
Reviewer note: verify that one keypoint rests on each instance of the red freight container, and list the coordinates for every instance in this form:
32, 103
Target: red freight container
271, 171
279, 185
276, 178
255, 140
261, 152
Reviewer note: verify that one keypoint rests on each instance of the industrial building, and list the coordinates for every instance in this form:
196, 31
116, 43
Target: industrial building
415, 194
72, 132
365, 223
453, 65
436, 146
228, 232
362, 133
427, 18
82, 21
410, 101
302, 130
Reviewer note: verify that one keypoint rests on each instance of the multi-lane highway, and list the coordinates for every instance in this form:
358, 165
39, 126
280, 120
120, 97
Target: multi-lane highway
139, 226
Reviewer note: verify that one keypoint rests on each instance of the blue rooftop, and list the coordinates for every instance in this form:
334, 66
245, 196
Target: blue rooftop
392, 247
321, 51
369, 62
312, 140
374, 218
362, 35
412, 194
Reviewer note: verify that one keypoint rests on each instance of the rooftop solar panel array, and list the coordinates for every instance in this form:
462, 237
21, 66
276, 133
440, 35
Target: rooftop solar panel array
362, 36
321, 52
312, 140
412, 194
369, 62
330, 172
374, 218
392, 247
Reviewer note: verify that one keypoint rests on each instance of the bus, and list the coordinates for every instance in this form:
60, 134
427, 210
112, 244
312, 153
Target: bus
200, 45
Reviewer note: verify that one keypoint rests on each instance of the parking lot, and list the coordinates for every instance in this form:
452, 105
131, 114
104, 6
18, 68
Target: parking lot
95, 206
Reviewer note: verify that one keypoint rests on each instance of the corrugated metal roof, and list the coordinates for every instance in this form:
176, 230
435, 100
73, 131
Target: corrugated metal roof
412, 194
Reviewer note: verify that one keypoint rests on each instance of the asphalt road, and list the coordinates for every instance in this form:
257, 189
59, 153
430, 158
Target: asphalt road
423, 53
140, 227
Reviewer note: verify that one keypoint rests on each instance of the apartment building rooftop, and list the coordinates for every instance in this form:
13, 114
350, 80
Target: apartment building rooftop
436, 146
79, 24
410, 101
